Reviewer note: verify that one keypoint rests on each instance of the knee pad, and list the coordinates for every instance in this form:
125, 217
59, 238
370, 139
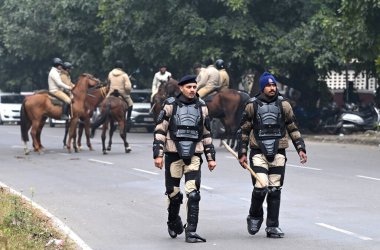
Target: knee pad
194, 196
176, 199
274, 191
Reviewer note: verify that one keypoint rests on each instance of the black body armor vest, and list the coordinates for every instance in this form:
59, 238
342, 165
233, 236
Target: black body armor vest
269, 125
186, 127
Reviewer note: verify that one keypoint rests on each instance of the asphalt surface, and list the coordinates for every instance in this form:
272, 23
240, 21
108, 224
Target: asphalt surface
117, 201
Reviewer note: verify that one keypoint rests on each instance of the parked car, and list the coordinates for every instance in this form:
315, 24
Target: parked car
141, 116
10, 105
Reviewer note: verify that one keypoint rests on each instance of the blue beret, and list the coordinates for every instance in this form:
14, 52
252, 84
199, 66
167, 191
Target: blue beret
187, 79
266, 78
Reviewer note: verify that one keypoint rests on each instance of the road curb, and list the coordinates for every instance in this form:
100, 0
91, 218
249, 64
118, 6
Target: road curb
57, 223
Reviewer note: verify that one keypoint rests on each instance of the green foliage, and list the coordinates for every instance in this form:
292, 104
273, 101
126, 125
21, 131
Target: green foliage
300, 40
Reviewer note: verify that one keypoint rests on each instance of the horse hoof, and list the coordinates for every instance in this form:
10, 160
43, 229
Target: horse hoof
91, 148
105, 152
26, 151
128, 149
108, 148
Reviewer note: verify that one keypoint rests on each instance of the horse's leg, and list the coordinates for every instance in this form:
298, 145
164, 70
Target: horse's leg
80, 133
33, 134
87, 125
39, 131
72, 134
123, 135
112, 129
66, 132
103, 136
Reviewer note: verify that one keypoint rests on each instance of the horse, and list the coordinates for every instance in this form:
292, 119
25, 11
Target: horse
113, 108
93, 98
36, 108
226, 105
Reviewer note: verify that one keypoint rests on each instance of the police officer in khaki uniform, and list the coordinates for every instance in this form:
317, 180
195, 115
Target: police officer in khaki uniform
270, 118
65, 74
224, 80
181, 135
208, 80
119, 80
56, 87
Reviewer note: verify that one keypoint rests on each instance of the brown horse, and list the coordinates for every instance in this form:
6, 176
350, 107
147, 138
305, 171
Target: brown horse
113, 109
94, 97
38, 107
226, 105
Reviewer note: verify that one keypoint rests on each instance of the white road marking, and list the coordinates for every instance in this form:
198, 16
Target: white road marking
206, 187
17, 146
58, 224
344, 231
297, 166
145, 171
103, 162
367, 177
230, 157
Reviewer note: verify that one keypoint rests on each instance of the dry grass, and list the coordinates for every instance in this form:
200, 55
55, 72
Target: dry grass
24, 227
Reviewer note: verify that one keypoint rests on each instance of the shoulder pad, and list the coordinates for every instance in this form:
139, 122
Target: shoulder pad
170, 100
201, 102
252, 99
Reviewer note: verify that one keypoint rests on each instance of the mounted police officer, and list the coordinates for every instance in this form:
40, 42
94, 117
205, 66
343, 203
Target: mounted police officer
56, 87
182, 134
224, 79
270, 117
65, 74
160, 77
208, 80
119, 81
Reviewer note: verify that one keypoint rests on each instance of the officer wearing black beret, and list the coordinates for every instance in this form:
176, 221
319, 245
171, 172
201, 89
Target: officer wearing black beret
182, 135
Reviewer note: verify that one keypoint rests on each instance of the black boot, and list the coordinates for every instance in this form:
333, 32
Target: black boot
192, 218
253, 224
256, 212
65, 111
273, 201
175, 225
129, 114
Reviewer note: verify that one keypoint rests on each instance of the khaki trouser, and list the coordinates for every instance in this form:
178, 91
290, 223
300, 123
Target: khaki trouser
270, 173
205, 91
62, 96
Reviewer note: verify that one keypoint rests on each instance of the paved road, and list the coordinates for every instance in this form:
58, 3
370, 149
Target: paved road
117, 201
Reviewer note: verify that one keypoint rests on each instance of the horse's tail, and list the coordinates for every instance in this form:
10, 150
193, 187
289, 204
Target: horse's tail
244, 97
102, 118
25, 123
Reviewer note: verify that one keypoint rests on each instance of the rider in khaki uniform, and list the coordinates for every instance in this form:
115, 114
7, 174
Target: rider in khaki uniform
56, 87
224, 78
119, 80
266, 121
65, 74
208, 80
182, 134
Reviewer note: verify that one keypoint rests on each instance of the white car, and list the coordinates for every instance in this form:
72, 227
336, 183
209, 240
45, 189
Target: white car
10, 105
141, 116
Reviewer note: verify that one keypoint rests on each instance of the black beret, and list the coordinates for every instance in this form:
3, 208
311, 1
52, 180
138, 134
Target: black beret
187, 79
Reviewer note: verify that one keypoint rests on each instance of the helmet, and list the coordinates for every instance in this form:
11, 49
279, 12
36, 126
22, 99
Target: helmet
67, 65
57, 61
219, 64
119, 64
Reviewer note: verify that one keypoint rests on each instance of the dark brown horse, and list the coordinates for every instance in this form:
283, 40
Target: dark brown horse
38, 107
226, 105
94, 97
112, 109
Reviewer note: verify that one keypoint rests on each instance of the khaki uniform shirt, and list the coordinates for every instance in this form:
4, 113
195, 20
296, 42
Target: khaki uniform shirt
208, 77
224, 79
119, 80
66, 79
